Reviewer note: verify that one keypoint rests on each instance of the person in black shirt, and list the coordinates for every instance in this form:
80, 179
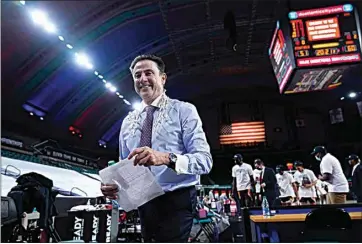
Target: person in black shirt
355, 163
268, 182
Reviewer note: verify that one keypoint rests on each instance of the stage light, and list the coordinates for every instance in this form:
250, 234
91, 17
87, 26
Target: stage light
342, 98
31, 113
61, 38
41, 118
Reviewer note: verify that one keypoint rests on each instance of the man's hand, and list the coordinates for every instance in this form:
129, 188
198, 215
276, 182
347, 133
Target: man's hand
109, 190
308, 185
147, 157
249, 193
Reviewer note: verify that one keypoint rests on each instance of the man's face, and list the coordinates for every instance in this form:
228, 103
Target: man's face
300, 169
352, 162
238, 161
318, 156
148, 80
258, 166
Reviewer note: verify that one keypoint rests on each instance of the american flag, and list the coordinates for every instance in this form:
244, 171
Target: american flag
244, 132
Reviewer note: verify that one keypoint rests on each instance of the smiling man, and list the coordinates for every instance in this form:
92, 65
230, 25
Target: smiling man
165, 135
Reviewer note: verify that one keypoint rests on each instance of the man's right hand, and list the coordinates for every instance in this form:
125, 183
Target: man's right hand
109, 191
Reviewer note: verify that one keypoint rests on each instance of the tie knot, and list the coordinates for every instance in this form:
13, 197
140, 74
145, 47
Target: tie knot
150, 109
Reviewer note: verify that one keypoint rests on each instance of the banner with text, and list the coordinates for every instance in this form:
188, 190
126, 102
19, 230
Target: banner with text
66, 156
12, 142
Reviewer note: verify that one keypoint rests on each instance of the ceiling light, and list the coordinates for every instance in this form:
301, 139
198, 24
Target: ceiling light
108, 85
49, 27
113, 89
96, 73
38, 17
41, 118
117, 93
61, 38
137, 105
83, 60
126, 102
31, 113
104, 81
100, 76
342, 98
22, 2
120, 96
352, 94
69, 46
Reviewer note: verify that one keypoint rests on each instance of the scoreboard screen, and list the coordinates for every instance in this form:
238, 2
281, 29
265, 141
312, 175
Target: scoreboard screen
325, 36
281, 61
314, 49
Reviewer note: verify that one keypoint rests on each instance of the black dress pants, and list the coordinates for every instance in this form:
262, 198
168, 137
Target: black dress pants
169, 218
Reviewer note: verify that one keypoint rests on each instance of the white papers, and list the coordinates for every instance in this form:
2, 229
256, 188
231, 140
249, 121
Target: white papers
136, 184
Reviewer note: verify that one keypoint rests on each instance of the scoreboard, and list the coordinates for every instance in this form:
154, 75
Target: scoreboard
319, 47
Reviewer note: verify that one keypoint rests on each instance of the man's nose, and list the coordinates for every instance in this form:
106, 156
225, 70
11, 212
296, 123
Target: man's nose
143, 77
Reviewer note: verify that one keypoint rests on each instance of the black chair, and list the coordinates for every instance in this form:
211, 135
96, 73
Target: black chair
327, 224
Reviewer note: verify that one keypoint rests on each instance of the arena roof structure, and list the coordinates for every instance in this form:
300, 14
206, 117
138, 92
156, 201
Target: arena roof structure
65, 63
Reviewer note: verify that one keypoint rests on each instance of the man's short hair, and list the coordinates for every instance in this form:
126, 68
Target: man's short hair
154, 58
258, 161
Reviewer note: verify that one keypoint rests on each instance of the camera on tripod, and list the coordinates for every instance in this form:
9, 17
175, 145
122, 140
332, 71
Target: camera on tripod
33, 191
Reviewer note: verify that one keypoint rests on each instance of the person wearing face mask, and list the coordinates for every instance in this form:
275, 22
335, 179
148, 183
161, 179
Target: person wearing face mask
304, 182
165, 135
355, 163
332, 172
243, 181
285, 183
268, 182
257, 195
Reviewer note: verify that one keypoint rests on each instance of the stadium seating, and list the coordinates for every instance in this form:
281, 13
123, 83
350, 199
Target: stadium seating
35, 159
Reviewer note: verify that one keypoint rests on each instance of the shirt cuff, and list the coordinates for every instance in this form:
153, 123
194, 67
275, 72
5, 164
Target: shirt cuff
182, 164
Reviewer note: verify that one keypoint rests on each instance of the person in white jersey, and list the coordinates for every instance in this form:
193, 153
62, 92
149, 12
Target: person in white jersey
332, 172
257, 195
285, 184
304, 182
243, 180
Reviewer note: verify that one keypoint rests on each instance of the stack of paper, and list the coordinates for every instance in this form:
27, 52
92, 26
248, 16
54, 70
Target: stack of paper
136, 184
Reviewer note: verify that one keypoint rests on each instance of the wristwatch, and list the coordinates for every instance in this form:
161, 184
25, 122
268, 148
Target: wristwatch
172, 161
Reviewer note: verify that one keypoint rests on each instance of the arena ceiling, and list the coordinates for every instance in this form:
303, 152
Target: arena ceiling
40, 75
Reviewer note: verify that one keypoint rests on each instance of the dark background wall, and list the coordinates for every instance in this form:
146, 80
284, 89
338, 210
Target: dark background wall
285, 141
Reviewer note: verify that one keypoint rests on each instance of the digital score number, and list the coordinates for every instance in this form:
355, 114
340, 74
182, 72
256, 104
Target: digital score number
326, 51
302, 53
350, 48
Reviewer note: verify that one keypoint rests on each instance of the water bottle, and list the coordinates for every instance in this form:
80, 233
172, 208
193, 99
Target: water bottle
265, 207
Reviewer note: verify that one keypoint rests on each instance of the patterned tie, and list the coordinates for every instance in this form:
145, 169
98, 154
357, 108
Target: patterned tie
146, 134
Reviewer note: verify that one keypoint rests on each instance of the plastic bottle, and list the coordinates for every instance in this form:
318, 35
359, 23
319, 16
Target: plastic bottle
265, 207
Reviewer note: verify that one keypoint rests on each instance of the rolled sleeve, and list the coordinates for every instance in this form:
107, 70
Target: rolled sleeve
197, 160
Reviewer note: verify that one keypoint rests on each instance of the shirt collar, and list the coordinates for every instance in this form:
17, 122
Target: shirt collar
155, 103
354, 168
